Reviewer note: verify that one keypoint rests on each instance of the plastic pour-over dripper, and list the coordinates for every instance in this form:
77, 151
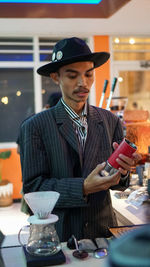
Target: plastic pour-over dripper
42, 203
42, 237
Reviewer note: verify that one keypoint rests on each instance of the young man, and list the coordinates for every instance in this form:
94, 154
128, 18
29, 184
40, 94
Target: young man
64, 148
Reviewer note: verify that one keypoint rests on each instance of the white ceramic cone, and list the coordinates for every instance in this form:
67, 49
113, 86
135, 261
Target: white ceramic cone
42, 203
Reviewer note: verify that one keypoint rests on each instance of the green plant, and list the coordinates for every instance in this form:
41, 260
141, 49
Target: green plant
3, 155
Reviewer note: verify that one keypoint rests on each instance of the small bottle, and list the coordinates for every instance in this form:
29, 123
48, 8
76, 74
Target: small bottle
147, 168
147, 163
126, 148
148, 155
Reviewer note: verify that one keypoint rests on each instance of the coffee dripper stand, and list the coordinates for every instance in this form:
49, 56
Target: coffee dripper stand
42, 238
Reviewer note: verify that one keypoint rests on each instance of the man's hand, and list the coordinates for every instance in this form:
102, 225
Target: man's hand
95, 183
125, 162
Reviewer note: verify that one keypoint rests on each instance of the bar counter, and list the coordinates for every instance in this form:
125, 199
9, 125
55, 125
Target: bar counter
11, 223
128, 214
14, 257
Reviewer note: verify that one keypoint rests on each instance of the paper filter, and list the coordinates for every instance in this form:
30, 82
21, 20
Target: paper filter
42, 203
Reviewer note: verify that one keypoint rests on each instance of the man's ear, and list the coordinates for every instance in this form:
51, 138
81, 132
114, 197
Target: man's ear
55, 78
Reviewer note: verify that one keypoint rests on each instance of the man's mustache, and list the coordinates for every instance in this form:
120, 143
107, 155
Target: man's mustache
81, 90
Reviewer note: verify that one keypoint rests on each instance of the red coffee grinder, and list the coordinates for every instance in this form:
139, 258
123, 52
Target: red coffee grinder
126, 148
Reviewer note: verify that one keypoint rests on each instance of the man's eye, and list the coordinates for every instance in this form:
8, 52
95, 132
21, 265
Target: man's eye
72, 77
89, 74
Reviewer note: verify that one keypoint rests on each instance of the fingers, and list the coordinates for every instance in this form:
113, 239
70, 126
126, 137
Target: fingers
115, 176
136, 157
94, 182
99, 167
124, 167
125, 161
115, 145
122, 171
114, 179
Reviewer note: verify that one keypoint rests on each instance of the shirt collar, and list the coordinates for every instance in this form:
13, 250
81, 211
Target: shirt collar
72, 113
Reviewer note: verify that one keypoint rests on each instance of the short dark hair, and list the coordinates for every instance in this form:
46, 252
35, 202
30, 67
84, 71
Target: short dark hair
54, 98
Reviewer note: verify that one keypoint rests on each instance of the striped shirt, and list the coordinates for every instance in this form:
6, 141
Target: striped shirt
79, 123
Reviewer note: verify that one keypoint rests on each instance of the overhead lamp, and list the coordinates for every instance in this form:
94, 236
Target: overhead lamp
18, 93
120, 79
4, 100
117, 41
132, 41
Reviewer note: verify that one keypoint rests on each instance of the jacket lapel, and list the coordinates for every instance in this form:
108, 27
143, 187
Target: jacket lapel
65, 126
95, 132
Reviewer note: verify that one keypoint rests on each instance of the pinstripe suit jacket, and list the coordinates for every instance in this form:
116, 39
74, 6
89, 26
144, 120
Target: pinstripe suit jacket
51, 160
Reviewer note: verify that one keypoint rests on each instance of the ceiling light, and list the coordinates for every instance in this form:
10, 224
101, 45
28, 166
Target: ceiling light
120, 79
4, 100
18, 93
131, 41
117, 41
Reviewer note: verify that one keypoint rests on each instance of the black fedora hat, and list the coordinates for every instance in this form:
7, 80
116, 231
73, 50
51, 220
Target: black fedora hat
72, 50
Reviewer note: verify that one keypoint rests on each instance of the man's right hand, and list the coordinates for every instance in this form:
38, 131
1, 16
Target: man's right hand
95, 183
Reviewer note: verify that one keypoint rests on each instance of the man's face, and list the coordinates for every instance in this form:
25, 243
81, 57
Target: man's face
75, 81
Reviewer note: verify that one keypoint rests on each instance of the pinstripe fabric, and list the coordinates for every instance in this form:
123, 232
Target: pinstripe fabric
79, 123
51, 160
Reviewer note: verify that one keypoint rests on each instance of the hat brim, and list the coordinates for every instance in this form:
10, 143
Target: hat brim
98, 58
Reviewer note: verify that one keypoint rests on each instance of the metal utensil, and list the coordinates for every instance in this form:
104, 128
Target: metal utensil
111, 92
103, 93
79, 254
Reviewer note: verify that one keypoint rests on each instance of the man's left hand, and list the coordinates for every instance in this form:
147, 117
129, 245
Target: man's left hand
125, 162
